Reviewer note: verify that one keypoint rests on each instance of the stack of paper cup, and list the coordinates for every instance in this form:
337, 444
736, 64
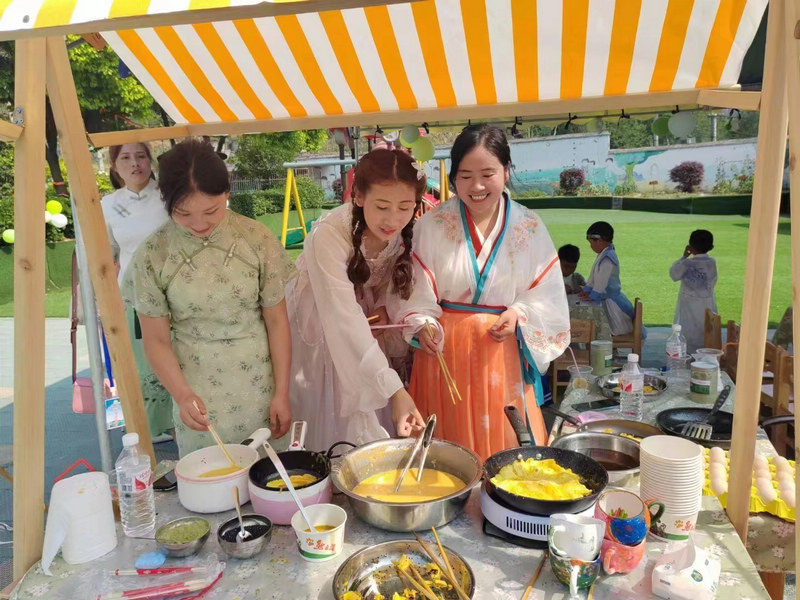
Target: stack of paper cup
671, 472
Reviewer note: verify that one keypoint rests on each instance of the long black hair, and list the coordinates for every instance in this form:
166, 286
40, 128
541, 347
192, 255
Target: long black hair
487, 136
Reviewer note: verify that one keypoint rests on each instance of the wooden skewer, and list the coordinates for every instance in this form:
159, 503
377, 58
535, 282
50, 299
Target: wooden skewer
535, 576
421, 579
447, 563
218, 439
413, 582
373, 318
442, 568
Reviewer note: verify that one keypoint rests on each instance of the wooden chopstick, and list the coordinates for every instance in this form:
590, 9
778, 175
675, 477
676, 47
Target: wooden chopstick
373, 318
447, 563
421, 579
218, 439
451, 384
413, 582
442, 568
535, 576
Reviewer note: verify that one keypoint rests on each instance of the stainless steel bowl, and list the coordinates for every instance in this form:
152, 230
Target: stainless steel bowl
184, 549
386, 455
609, 385
370, 571
618, 455
253, 544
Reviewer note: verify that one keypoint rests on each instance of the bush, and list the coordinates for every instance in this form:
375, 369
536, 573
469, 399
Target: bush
626, 188
590, 189
242, 203
688, 175
570, 180
311, 194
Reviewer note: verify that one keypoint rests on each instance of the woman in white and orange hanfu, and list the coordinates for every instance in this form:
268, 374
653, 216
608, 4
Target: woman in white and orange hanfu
487, 277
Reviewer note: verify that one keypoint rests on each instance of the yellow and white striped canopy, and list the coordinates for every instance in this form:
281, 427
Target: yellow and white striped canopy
437, 54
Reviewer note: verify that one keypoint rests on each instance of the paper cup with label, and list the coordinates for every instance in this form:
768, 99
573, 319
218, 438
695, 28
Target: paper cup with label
328, 540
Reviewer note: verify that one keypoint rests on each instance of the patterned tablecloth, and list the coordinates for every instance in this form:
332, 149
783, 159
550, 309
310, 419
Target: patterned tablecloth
770, 540
590, 311
501, 569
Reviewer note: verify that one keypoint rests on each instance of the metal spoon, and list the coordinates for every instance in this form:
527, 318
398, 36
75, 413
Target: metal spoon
242, 534
273, 456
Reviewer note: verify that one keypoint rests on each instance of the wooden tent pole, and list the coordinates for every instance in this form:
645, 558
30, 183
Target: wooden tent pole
792, 36
29, 311
767, 184
64, 100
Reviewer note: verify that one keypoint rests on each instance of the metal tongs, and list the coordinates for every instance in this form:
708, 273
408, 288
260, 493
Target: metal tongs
424, 442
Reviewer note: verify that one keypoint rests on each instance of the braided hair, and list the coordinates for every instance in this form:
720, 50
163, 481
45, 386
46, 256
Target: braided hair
384, 166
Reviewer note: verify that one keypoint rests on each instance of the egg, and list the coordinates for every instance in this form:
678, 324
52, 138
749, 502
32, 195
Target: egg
762, 470
782, 476
790, 500
719, 484
765, 490
786, 489
718, 470
782, 465
717, 455
760, 459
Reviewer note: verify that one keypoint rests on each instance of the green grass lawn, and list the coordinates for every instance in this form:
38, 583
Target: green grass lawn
647, 244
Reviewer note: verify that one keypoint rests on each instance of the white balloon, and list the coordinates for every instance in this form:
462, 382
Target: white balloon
59, 221
47, 216
681, 124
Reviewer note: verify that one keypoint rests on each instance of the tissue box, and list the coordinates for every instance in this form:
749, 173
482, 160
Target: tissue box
686, 572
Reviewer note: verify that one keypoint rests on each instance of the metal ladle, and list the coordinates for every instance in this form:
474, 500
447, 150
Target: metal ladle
242, 534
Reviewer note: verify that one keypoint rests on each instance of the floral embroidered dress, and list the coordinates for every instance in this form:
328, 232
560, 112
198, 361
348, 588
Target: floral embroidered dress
604, 286
213, 289
465, 281
698, 276
342, 376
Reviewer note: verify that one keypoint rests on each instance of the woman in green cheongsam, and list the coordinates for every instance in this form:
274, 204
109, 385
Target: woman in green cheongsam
208, 287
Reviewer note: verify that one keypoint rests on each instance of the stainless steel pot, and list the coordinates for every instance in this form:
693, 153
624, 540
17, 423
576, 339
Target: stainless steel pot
617, 454
385, 455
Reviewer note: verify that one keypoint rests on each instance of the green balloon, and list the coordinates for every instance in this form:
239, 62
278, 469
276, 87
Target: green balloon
53, 207
8, 236
660, 127
422, 149
408, 135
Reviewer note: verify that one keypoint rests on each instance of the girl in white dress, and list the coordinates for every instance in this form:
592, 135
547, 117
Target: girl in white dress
697, 272
132, 213
347, 378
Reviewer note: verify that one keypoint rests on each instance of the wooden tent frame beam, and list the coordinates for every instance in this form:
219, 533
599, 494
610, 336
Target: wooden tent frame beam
9, 132
200, 15
761, 240
71, 131
719, 98
29, 307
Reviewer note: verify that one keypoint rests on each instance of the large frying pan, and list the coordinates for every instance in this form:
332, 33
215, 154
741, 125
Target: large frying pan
592, 475
616, 426
673, 419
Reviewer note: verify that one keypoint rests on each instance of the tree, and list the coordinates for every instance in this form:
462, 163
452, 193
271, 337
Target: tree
629, 133
261, 156
107, 100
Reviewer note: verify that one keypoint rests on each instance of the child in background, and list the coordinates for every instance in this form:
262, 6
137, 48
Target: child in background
697, 272
569, 256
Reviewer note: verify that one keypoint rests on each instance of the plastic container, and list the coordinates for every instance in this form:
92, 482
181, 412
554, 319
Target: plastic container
135, 481
676, 357
601, 357
631, 384
704, 382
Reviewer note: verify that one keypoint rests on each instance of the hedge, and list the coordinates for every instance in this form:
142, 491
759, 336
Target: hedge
255, 204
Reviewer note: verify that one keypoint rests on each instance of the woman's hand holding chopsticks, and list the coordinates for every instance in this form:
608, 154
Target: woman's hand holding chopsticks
429, 338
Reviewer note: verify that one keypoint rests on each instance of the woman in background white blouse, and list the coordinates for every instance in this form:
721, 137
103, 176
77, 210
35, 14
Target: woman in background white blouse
132, 214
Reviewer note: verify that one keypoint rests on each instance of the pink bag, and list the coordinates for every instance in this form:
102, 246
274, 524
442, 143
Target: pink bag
82, 395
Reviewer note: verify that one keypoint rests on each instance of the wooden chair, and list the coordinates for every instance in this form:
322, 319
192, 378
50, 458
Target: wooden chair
774, 360
631, 340
782, 436
731, 350
581, 336
712, 331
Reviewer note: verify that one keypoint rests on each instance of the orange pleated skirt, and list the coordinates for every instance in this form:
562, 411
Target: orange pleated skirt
488, 376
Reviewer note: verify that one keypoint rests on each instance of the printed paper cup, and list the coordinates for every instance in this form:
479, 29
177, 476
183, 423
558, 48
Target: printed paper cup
318, 546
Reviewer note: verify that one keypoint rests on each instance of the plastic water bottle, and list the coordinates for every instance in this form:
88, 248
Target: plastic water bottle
631, 384
676, 357
135, 481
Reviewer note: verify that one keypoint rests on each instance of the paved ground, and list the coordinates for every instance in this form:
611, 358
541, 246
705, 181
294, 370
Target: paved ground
70, 436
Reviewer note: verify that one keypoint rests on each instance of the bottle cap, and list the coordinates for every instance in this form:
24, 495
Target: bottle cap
631, 358
130, 439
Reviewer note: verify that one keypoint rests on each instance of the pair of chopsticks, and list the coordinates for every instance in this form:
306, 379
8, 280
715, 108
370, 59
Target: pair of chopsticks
158, 591
451, 383
447, 569
218, 439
